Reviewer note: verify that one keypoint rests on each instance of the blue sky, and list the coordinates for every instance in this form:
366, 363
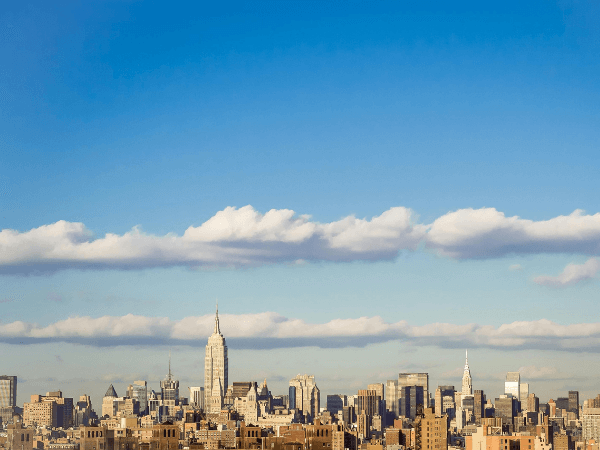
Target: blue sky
470, 130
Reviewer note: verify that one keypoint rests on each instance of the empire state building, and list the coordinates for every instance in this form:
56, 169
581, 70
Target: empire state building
215, 370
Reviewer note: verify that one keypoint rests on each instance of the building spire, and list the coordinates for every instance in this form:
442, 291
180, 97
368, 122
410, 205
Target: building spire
170, 376
217, 329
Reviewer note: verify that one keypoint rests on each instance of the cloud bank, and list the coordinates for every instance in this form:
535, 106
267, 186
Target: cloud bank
572, 274
270, 330
242, 237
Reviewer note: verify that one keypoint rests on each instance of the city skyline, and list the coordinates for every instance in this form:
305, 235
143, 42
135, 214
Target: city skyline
368, 189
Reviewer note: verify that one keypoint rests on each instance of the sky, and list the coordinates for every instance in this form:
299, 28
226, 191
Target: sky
366, 188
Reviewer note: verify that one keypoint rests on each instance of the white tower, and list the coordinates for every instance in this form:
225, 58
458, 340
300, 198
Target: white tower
215, 369
467, 384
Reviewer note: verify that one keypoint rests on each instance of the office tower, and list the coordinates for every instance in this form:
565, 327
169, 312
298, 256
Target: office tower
415, 379
533, 403
169, 389
368, 402
562, 403
8, 398
139, 391
391, 398
336, 403
479, 405
447, 401
379, 389
506, 408
8, 391
197, 396
574, 402
512, 385
215, 370
467, 384
410, 398
523, 392
305, 396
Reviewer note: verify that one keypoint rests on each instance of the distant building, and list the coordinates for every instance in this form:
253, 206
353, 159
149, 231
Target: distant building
411, 398
169, 390
574, 402
523, 392
415, 379
139, 391
479, 405
533, 403
467, 382
336, 403
52, 410
197, 396
512, 385
392, 405
8, 398
216, 370
305, 396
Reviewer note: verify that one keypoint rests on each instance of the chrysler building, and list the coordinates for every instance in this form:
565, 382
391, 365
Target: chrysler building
467, 386
215, 370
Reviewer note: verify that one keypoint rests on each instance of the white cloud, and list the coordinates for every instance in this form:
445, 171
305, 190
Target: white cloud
572, 274
237, 237
488, 233
233, 237
515, 267
271, 330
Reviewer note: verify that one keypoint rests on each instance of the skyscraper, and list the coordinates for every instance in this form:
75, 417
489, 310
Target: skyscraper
305, 396
169, 389
8, 391
415, 379
139, 391
512, 385
8, 397
215, 369
467, 384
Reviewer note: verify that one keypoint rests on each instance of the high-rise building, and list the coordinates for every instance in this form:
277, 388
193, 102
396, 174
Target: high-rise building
139, 391
533, 403
512, 385
415, 379
467, 383
215, 370
197, 396
574, 402
169, 389
523, 392
479, 405
411, 397
305, 396
8, 391
336, 403
391, 398
8, 398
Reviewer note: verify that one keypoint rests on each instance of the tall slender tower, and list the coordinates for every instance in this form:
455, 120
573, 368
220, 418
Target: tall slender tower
467, 384
215, 369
